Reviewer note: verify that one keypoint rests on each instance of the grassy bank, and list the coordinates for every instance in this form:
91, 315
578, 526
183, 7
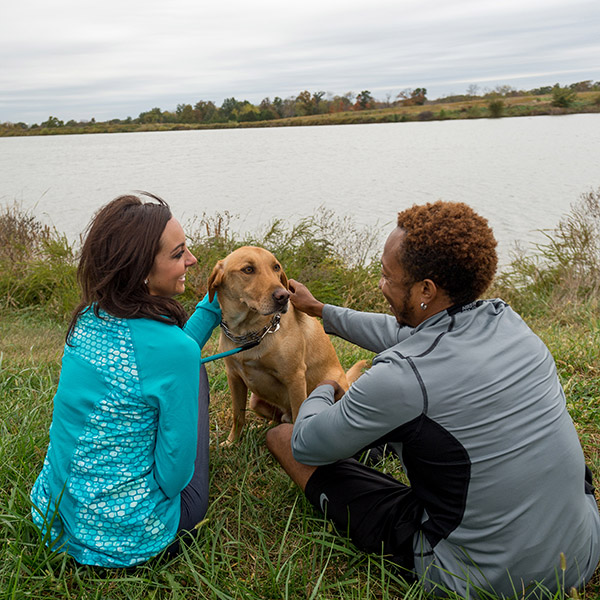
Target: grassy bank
260, 538
438, 110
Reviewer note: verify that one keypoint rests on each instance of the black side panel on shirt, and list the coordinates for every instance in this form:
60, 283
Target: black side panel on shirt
439, 470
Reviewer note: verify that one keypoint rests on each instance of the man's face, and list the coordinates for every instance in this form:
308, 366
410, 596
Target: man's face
393, 282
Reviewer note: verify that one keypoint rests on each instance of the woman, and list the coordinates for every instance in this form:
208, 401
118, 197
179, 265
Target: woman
127, 463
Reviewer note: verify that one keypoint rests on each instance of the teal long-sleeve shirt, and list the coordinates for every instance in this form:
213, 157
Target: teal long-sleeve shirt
123, 437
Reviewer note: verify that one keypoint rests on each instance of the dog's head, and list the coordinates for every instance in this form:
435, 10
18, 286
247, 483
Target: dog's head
251, 276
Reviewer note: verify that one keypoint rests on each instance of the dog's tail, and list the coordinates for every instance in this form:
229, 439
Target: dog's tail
355, 371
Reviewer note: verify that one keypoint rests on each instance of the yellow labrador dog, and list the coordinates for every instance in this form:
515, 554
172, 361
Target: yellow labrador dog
291, 352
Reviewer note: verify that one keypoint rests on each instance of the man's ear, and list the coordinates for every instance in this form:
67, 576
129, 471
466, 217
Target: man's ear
429, 291
215, 279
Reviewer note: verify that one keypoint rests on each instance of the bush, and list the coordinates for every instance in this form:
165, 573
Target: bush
329, 254
333, 257
473, 112
565, 268
496, 108
37, 265
563, 97
426, 115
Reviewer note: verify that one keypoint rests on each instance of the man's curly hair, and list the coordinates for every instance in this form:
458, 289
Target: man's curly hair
449, 243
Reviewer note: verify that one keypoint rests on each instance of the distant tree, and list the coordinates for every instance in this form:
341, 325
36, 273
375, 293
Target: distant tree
278, 106
185, 113
52, 122
340, 104
582, 86
317, 97
205, 111
419, 95
248, 112
168, 116
473, 90
151, 116
505, 90
288, 107
268, 112
563, 97
541, 91
305, 103
229, 108
409, 97
364, 100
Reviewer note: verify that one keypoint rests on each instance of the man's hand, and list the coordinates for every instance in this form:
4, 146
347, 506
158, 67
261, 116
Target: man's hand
303, 300
338, 389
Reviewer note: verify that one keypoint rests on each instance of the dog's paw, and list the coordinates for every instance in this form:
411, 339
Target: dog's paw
286, 418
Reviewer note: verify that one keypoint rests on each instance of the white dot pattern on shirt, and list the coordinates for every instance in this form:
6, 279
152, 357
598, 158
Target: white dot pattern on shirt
118, 521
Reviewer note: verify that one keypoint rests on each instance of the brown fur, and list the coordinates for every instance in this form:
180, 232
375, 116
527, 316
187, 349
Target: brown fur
288, 364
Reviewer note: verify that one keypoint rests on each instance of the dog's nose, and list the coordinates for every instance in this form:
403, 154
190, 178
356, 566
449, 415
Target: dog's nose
281, 296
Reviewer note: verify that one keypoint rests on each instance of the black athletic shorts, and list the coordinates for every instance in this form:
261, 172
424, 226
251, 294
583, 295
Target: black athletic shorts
378, 513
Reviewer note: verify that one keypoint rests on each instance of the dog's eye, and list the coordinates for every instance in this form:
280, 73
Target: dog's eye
277, 268
248, 270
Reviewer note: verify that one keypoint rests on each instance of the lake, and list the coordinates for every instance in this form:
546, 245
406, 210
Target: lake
522, 174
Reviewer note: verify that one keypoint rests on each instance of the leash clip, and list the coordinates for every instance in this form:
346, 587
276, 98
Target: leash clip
275, 324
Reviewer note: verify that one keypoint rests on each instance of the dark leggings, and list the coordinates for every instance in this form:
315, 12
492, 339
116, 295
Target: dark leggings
194, 497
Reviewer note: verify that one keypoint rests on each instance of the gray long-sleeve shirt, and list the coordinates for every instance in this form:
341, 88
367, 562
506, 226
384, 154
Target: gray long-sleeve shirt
473, 397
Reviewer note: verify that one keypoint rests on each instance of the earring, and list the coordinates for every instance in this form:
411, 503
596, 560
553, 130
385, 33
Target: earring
145, 281
423, 306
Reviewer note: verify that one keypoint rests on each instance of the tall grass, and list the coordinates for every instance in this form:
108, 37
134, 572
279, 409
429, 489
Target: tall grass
310, 251
260, 539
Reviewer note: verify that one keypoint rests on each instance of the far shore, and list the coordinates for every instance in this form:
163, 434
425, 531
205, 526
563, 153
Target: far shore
437, 110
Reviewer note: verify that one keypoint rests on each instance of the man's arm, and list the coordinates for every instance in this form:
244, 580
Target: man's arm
381, 400
373, 331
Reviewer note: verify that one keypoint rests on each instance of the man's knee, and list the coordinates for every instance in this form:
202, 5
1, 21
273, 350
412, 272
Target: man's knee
279, 439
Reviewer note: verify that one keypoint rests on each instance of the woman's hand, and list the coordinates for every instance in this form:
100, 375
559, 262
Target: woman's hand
303, 300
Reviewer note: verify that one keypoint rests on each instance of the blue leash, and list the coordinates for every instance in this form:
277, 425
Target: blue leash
230, 352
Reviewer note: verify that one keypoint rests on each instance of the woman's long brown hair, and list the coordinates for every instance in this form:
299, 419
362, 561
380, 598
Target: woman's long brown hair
122, 241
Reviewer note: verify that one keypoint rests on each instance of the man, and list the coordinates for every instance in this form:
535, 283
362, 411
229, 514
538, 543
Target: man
499, 487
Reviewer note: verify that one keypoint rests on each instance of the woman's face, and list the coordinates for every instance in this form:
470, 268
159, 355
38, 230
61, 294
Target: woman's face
167, 276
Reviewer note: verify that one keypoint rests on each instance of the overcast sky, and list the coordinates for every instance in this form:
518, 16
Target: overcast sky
75, 59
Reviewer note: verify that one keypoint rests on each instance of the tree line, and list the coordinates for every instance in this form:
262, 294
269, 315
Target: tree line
316, 103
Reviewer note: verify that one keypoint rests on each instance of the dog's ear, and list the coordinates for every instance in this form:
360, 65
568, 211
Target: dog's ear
215, 279
284, 280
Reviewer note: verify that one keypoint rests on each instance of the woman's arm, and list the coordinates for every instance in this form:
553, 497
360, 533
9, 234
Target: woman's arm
169, 371
204, 319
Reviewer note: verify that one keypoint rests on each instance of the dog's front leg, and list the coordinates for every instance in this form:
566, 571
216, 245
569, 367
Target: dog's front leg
239, 398
297, 393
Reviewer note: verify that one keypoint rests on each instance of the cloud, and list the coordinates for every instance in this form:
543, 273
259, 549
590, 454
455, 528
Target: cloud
125, 57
